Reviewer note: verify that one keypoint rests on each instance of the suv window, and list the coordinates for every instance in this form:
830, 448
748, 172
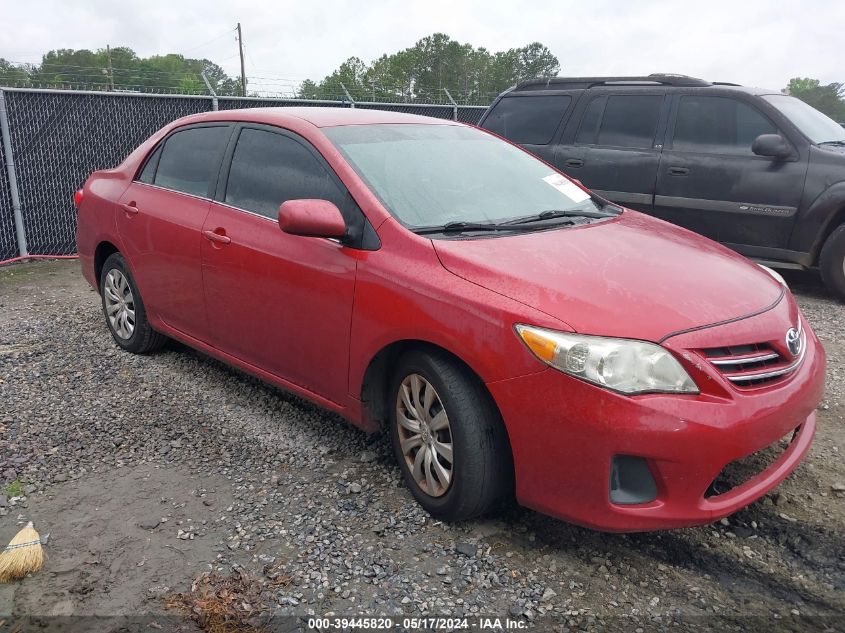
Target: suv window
621, 121
528, 120
190, 159
268, 169
718, 125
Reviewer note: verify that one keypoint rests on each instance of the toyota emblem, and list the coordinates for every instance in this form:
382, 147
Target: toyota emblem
793, 341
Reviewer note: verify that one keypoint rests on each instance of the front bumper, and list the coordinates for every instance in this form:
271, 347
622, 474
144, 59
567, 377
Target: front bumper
565, 432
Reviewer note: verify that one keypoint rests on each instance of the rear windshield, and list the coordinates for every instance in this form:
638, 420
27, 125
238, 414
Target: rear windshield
429, 175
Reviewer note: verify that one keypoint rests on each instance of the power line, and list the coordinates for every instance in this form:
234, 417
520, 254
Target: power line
222, 35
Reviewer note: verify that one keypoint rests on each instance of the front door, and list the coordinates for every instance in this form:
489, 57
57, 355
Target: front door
280, 302
711, 182
616, 151
160, 218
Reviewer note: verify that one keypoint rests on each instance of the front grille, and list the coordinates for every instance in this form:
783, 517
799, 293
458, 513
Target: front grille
755, 364
746, 468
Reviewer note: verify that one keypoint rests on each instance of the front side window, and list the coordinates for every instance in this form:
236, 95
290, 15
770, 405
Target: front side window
190, 159
432, 174
528, 120
269, 169
718, 125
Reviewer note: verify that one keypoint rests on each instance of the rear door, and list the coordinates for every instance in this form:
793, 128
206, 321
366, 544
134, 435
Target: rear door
614, 144
531, 120
160, 221
711, 182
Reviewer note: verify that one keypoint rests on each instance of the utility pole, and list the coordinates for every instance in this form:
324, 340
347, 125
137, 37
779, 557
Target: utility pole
241, 49
111, 70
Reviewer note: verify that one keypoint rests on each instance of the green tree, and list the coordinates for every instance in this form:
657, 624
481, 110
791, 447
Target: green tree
85, 69
829, 98
435, 64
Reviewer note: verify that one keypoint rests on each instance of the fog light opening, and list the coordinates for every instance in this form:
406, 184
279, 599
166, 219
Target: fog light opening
631, 481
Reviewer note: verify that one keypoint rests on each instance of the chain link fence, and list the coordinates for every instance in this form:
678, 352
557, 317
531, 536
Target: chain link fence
8, 239
59, 137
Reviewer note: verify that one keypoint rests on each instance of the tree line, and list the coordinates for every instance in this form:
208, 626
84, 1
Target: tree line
433, 66
434, 69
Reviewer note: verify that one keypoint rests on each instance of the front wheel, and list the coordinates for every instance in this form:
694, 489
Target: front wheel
124, 309
832, 262
449, 438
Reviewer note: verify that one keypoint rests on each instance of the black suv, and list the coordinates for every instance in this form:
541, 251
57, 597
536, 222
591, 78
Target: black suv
759, 171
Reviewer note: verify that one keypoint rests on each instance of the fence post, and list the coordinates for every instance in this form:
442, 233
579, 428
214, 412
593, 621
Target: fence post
13, 179
454, 105
348, 96
210, 90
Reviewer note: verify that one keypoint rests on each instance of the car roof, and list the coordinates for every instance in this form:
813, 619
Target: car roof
317, 116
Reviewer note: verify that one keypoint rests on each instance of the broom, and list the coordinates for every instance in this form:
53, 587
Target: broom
22, 555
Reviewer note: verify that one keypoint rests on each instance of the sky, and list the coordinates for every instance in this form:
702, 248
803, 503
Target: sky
751, 42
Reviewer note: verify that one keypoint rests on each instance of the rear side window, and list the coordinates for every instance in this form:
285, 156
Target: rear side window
630, 121
528, 120
148, 173
268, 169
190, 159
718, 125
590, 122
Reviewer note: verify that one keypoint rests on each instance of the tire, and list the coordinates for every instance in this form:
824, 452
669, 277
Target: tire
120, 295
832, 262
481, 471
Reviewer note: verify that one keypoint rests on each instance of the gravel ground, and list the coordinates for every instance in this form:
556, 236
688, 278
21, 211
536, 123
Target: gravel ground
149, 470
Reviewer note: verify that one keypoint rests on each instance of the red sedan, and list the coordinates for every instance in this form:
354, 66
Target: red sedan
517, 333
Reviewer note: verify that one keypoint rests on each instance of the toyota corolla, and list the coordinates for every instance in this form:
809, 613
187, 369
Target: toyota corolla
518, 335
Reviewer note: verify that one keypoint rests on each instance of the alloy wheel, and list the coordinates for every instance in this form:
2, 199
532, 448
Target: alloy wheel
119, 303
424, 435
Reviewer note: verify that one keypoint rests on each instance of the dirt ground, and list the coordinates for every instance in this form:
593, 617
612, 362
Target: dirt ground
145, 472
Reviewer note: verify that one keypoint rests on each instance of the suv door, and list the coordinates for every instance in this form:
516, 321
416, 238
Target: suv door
613, 145
711, 182
530, 120
282, 303
160, 221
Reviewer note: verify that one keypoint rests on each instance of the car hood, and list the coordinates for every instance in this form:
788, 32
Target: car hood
632, 276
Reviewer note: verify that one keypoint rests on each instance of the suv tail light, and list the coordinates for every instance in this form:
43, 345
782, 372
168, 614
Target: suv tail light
77, 198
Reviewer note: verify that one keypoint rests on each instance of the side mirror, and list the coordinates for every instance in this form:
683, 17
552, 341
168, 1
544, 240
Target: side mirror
311, 218
773, 145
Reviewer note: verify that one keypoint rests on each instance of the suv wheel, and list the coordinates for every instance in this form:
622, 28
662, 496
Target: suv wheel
832, 262
449, 438
124, 309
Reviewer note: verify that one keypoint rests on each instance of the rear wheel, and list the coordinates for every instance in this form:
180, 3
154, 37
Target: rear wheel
449, 438
124, 309
832, 262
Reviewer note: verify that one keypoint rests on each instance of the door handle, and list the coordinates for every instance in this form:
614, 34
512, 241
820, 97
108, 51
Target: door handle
678, 171
130, 208
213, 236
573, 162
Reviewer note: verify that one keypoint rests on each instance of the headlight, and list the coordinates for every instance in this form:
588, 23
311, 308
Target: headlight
620, 364
775, 275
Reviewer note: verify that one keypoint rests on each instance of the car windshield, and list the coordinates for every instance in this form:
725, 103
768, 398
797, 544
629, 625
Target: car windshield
817, 127
432, 175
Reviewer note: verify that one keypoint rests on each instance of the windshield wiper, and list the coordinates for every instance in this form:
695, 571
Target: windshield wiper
559, 213
461, 227
842, 142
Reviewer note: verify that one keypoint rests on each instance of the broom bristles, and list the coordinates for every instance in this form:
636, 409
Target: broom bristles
22, 555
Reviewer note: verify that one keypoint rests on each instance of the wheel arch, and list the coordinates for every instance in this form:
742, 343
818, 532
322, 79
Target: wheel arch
103, 251
374, 387
836, 219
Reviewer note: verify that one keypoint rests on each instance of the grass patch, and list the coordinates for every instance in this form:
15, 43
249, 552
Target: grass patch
13, 489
